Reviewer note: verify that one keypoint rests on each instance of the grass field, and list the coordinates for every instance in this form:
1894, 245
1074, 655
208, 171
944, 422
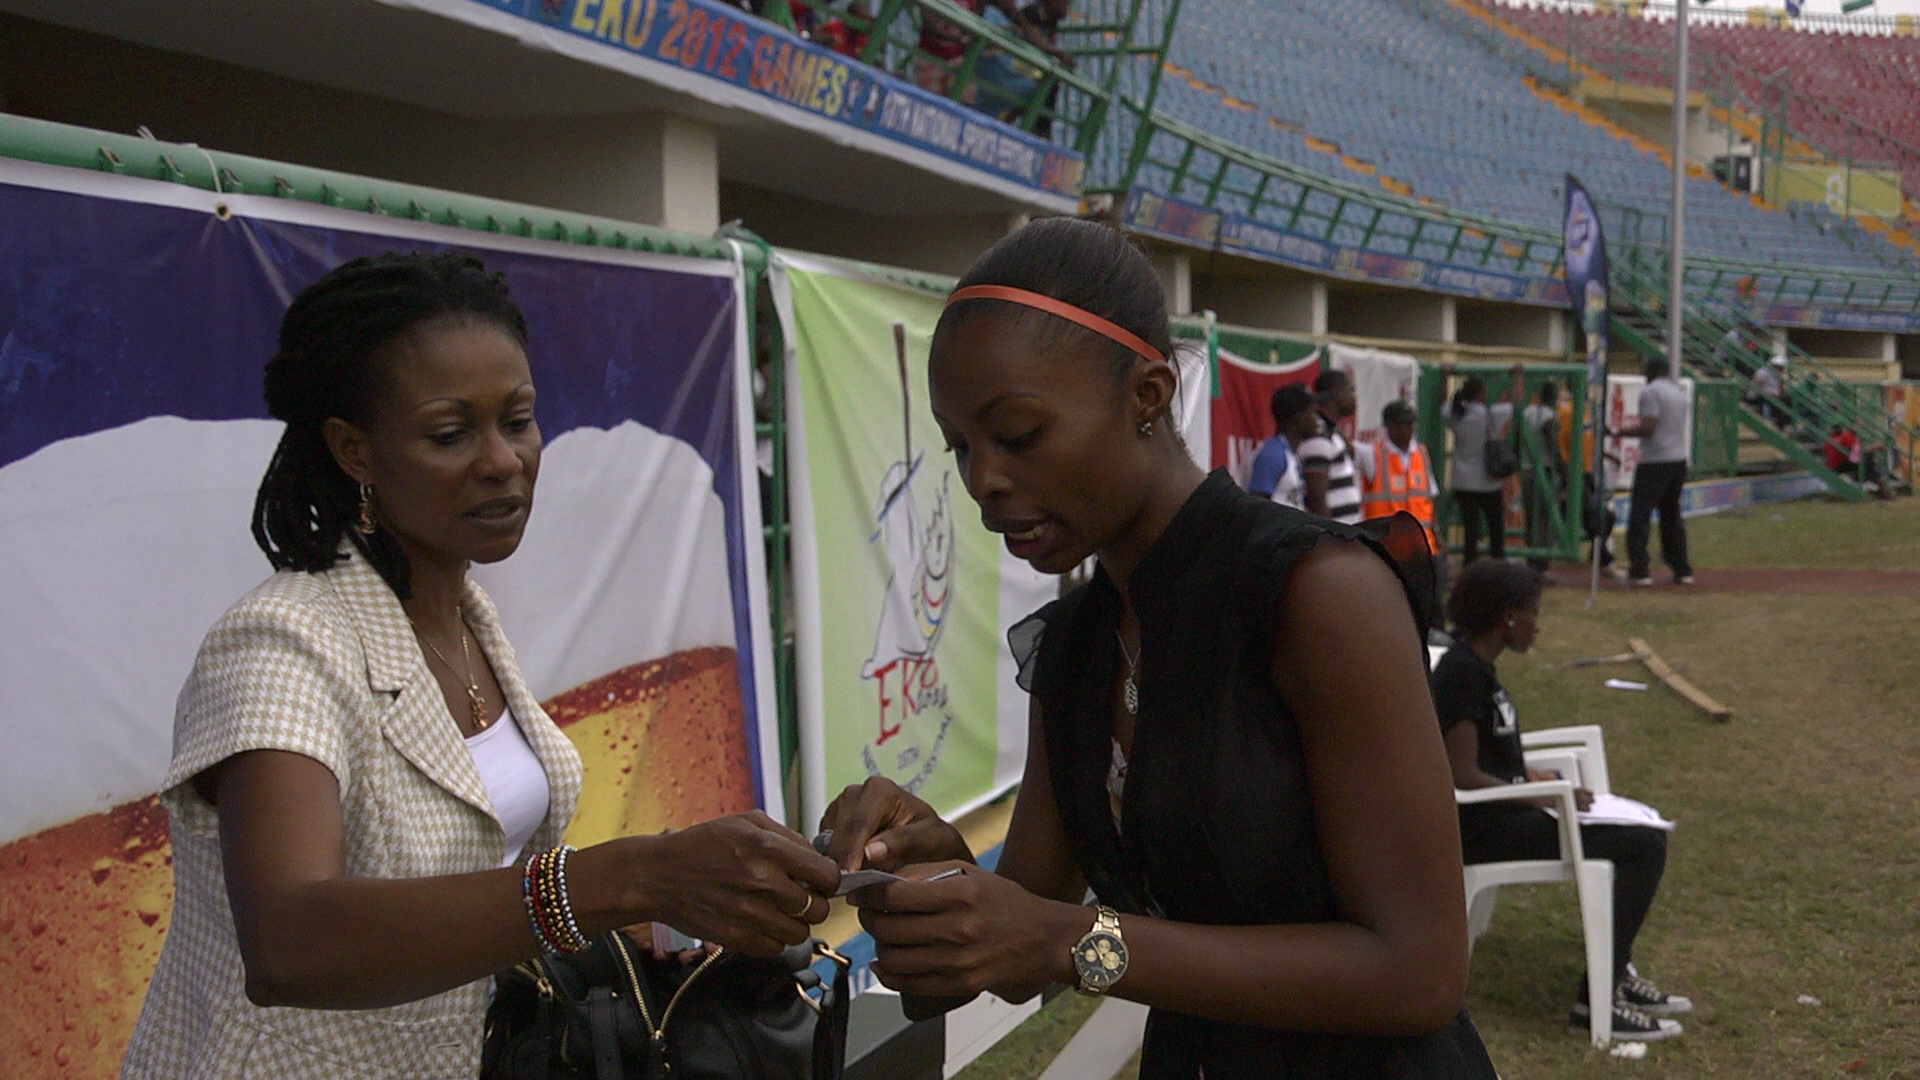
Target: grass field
1795, 869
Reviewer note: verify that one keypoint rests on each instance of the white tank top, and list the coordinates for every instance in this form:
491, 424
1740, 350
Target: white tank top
516, 782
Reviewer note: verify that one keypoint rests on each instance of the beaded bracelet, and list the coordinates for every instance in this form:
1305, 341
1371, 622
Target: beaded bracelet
543, 888
576, 939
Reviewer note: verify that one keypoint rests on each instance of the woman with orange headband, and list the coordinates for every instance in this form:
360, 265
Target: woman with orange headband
1232, 743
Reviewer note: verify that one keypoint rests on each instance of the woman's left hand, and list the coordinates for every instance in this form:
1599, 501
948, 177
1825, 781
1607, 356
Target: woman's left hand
973, 932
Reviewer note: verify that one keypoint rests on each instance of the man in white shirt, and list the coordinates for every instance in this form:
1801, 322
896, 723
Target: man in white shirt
1660, 477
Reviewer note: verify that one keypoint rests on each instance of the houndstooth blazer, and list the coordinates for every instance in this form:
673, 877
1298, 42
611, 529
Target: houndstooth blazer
327, 666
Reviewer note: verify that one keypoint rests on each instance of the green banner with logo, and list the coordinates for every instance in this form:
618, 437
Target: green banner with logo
902, 598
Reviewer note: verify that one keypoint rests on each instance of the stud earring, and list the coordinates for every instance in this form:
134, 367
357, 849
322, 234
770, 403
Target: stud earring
1146, 429
368, 525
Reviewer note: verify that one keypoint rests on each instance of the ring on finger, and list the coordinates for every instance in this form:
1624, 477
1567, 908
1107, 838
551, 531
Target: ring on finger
805, 906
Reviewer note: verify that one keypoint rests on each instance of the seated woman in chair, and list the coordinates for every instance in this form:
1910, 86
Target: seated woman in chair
1495, 607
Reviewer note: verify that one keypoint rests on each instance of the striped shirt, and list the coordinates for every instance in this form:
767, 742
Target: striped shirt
1330, 453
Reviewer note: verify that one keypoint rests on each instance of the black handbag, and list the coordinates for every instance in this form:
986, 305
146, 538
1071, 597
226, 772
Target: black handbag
1501, 457
612, 1012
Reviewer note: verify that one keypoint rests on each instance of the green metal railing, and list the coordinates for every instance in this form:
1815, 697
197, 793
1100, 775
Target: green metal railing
1716, 278
1115, 48
237, 174
1551, 489
1720, 340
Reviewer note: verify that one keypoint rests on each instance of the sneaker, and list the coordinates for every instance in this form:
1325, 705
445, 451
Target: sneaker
1683, 579
1617, 573
1629, 1024
1640, 582
1648, 998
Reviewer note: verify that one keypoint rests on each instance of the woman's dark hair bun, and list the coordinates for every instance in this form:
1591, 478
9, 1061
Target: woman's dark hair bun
1487, 592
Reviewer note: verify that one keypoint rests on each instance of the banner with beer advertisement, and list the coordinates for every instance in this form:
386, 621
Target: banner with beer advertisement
902, 596
135, 320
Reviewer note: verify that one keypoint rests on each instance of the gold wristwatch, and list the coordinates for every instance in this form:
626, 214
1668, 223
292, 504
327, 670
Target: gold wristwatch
1100, 958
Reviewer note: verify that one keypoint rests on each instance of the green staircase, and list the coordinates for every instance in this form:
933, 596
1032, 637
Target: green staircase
1720, 342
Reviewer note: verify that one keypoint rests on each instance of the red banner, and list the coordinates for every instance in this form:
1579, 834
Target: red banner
1243, 414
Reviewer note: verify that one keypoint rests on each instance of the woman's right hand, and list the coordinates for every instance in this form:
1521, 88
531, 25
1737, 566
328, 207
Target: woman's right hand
745, 882
879, 825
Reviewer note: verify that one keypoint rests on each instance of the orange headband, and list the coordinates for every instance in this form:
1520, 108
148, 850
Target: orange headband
1060, 308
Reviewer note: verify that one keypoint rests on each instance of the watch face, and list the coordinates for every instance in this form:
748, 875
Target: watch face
1100, 958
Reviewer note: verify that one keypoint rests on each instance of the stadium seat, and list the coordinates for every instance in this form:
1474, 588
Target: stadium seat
1449, 117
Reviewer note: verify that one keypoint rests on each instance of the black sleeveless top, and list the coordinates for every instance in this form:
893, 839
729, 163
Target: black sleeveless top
1216, 823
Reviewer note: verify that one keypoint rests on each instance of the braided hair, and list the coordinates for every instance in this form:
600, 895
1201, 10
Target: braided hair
335, 341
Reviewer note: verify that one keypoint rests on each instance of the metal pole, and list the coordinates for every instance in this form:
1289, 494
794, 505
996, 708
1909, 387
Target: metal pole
1676, 234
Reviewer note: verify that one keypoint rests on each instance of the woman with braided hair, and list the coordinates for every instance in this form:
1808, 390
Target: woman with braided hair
366, 802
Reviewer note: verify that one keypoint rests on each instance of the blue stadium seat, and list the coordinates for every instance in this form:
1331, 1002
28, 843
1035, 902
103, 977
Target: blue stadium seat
1436, 109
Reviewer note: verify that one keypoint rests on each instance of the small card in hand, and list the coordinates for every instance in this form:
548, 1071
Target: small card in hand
860, 879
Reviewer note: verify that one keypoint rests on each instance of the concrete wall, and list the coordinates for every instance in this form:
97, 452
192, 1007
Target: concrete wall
1853, 344
933, 244
1392, 314
1294, 303
1511, 324
645, 167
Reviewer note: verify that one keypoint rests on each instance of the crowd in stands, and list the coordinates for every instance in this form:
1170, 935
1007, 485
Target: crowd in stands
1001, 85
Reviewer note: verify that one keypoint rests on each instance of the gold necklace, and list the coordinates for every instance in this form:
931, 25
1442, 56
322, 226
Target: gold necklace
476, 705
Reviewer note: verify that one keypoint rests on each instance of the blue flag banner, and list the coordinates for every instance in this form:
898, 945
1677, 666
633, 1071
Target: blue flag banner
1586, 265
1586, 262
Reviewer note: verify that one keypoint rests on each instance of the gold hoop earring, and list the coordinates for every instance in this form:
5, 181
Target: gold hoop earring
368, 524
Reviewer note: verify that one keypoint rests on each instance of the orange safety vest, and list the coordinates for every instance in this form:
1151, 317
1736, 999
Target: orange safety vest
1400, 482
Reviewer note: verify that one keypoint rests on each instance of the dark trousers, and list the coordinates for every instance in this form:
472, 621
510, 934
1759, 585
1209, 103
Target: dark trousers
1483, 511
1657, 486
1638, 855
1538, 508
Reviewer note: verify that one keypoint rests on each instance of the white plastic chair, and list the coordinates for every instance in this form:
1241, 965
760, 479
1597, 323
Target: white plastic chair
1587, 745
1592, 879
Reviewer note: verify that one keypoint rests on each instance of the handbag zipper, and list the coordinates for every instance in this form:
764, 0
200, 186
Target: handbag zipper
658, 1033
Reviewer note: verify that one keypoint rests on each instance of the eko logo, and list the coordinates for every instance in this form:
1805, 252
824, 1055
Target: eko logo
911, 697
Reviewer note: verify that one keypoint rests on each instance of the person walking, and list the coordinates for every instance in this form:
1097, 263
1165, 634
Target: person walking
1478, 493
1660, 478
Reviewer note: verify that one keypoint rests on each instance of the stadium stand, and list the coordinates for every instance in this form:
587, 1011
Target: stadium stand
1452, 121
1841, 90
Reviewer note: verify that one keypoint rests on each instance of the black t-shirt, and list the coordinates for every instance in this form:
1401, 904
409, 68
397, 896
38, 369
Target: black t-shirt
1466, 689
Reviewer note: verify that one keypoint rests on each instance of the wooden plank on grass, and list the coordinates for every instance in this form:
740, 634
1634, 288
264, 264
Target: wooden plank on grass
1678, 683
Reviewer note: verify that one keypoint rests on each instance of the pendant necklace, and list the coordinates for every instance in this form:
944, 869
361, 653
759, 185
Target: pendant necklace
1129, 689
476, 705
